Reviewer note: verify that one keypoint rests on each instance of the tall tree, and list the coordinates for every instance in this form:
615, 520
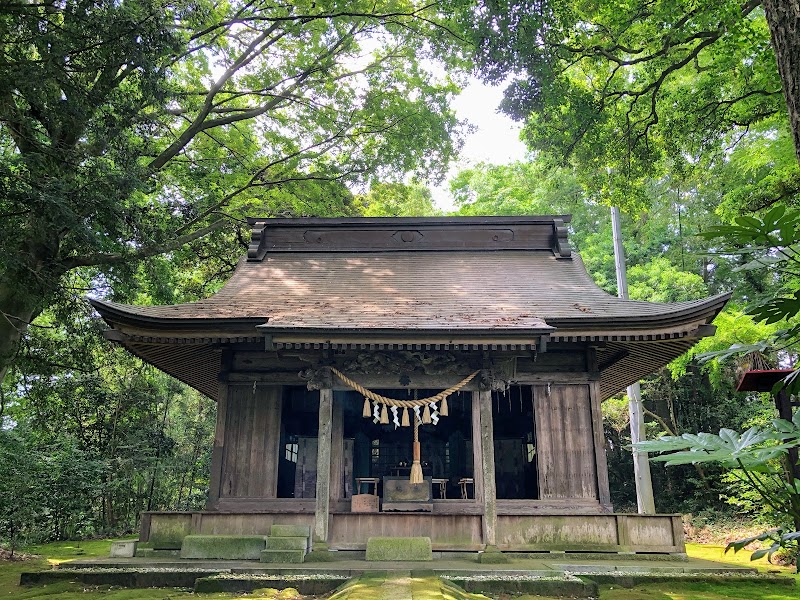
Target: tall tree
132, 128
631, 89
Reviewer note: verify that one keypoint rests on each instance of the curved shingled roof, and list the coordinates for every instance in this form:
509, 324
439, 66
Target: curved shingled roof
441, 281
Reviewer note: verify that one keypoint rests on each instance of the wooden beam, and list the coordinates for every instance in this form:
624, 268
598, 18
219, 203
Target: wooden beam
322, 504
271, 414
487, 468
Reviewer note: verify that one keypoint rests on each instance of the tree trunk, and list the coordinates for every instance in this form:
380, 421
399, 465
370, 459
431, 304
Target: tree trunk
17, 310
783, 18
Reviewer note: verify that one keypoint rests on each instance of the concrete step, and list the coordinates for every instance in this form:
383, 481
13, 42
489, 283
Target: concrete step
290, 531
282, 556
287, 543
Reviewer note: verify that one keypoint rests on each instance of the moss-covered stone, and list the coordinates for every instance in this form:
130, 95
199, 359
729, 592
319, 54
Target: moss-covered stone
290, 531
287, 543
492, 556
167, 531
319, 556
224, 547
399, 548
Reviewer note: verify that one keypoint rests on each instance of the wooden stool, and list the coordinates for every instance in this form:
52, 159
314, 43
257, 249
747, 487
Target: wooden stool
368, 481
442, 483
464, 482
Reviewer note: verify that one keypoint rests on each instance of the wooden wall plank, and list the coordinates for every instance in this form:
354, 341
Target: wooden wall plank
251, 437
215, 477
545, 435
272, 402
235, 394
601, 462
565, 442
256, 463
246, 426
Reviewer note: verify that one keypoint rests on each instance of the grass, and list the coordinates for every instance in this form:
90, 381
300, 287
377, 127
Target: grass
60, 552
710, 591
57, 553
717, 554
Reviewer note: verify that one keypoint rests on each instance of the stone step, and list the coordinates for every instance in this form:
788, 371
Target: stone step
282, 556
290, 531
287, 543
223, 547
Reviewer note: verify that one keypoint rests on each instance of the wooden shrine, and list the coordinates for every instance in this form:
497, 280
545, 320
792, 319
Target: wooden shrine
436, 377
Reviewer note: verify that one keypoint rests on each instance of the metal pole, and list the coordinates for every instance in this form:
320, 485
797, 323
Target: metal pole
641, 466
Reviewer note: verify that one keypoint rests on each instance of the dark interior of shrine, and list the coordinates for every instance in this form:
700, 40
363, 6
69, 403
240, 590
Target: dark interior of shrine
375, 450
515, 443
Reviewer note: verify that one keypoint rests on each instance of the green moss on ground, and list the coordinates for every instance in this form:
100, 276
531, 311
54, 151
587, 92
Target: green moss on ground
62, 552
717, 554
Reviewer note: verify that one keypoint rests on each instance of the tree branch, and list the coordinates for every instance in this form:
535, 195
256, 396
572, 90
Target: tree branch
103, 258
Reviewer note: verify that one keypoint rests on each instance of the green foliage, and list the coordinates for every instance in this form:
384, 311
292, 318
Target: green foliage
777, 537
736, 335
398, 200
131, 129
104, 436
754, 449
770, 241
762, 457
628, 91
660, 281
46, 490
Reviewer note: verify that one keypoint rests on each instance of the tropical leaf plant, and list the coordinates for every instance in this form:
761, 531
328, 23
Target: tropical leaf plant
759, 456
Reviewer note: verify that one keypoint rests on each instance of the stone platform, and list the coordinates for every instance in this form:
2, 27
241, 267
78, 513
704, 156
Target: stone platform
580, 573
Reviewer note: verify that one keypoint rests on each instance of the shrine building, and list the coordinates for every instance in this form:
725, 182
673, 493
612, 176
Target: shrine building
436, 377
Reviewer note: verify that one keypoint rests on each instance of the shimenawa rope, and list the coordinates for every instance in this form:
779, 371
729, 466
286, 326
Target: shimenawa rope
402, 403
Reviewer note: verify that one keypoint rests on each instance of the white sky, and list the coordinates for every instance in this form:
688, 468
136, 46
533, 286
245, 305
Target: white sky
495, 139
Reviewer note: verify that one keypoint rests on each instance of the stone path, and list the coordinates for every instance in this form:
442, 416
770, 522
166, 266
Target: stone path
401, 586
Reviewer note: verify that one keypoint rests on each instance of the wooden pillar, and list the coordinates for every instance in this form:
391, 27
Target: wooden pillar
484, 401
217, 451
322, 505
337, 449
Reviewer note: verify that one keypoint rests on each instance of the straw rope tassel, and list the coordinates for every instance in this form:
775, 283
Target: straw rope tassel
443, 409
416, 467
384, 415
404, 421
367, 412
426, 414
